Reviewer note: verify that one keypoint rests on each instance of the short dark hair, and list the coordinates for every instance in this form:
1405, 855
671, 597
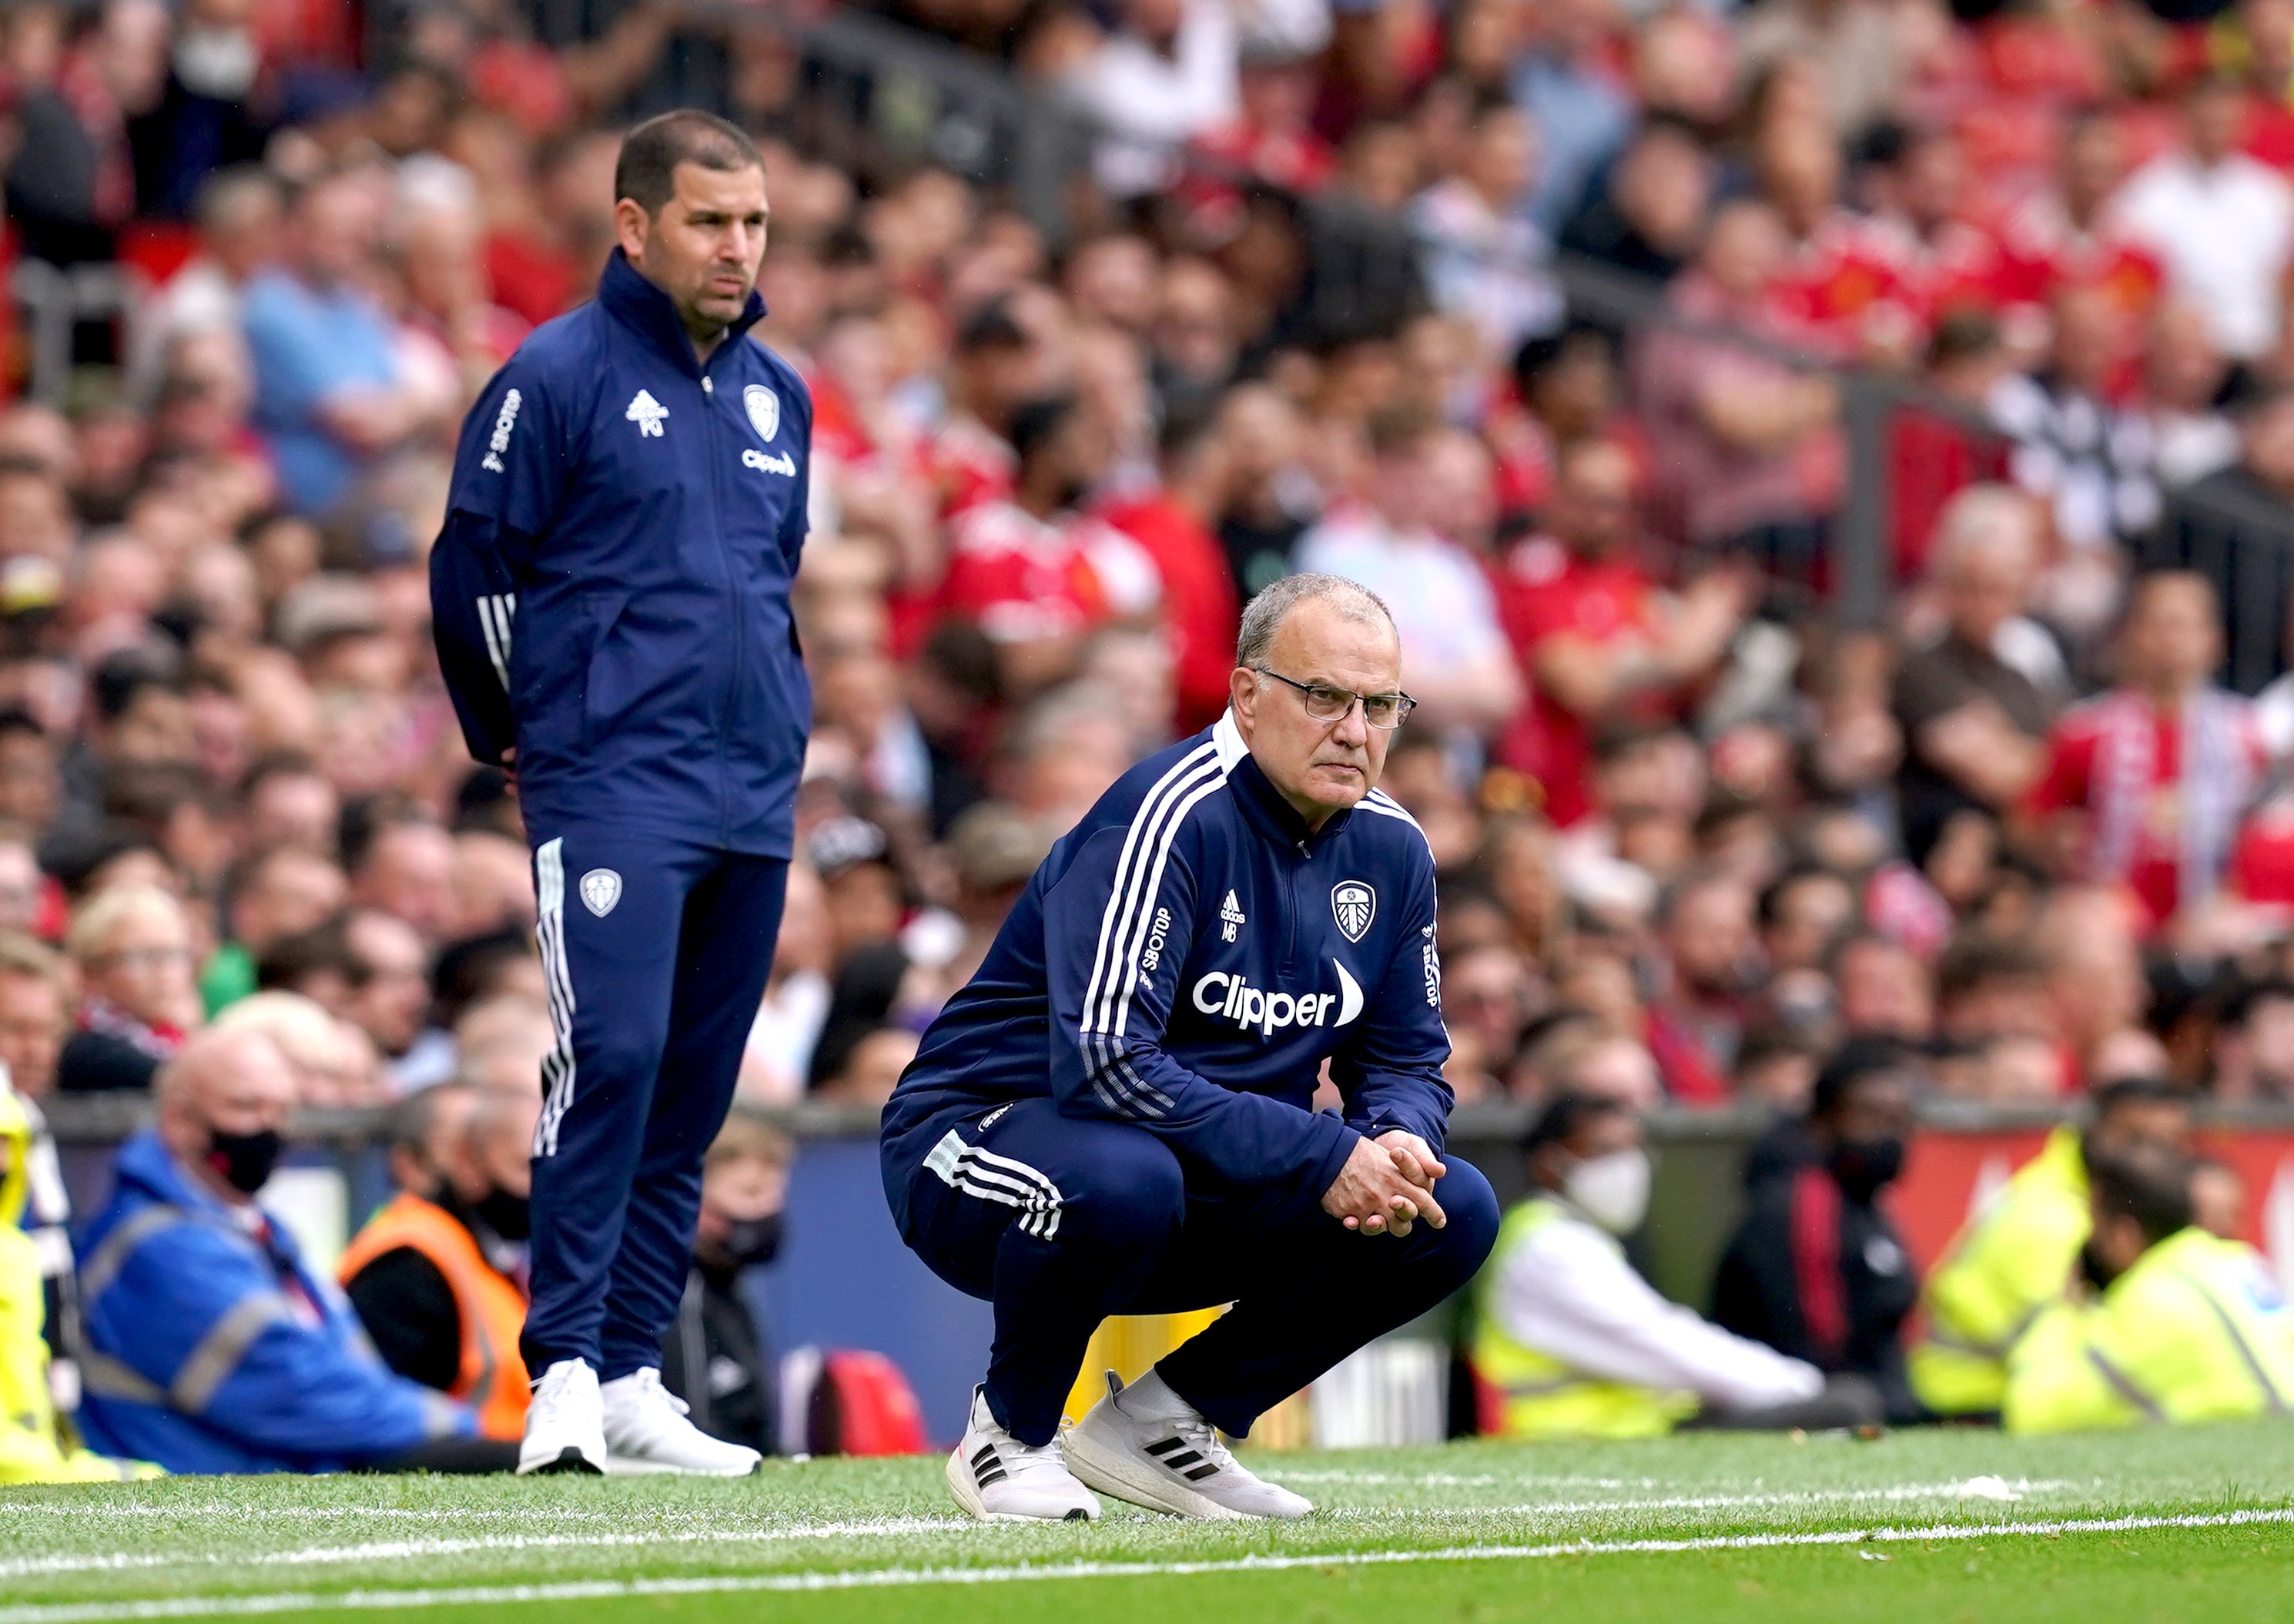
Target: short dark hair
646, 171
2142, 1088
1035, 422
2148, 1183
1851, 1064
1566, 1116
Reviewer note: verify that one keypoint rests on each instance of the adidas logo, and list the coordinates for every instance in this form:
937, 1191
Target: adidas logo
1174, 1453
1230, 917
648, 414
987, 1469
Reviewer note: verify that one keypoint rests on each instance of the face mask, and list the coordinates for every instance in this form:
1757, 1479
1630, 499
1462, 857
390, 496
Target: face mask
1862, 1168
244, 1161
752, 1240
510, 1216
1612, 1191
219, 63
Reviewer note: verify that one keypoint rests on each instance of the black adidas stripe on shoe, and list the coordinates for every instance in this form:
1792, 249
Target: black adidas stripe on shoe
986, 1468
1187, 1463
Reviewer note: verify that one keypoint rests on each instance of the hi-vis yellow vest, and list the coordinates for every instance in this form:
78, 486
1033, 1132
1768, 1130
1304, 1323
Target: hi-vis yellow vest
31, 1448
2195, 1331
1541, 1397
2006, 1267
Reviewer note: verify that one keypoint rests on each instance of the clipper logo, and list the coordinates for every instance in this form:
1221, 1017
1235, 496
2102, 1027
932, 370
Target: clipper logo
1231, 998
777, 462
1433, 965
504, 421
1353, 905
1231, 918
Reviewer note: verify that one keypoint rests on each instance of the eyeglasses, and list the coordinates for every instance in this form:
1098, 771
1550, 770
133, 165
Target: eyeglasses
1326, 703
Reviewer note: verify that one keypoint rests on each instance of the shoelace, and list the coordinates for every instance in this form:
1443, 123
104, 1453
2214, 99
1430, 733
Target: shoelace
1203, 1438
651, 1392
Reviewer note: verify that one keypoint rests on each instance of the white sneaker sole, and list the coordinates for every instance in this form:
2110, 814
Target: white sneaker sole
1113, 1470
638, 1466
966, 1494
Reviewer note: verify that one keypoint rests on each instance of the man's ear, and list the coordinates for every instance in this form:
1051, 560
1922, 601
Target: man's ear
1242, 693
632, 227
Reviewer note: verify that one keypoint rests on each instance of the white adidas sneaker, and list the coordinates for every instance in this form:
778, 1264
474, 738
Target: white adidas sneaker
998, 1479
1145, 1444
645, 1430
564, 1425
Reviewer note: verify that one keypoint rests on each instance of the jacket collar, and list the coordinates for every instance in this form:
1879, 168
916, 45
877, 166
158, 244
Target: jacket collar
647, 311
147, 1167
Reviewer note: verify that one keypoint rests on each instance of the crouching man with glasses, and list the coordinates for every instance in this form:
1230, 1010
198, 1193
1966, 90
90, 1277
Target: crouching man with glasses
1116, 1115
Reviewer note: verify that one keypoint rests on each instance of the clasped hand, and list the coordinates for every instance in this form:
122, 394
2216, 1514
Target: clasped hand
1387, 1186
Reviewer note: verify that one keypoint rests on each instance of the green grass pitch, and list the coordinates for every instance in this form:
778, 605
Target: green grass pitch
2189, 1525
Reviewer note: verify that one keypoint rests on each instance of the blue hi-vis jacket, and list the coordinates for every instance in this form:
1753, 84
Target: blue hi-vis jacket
195, 1358
610, 594
1186, 959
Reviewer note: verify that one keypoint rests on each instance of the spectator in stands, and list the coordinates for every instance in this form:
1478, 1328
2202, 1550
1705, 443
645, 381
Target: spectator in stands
331, 391
1031, 570
389, 998
2014, 1257
1571, 1342
713, 1356
239, 213
1486, 262
2182, 1327
34, 1014
133, 946
1973, 722
1646, 218
290, 803
335, 1063
407, 869
1881, 989
1744, 442
2253, 1050
2096, 991
434, 1274
1816, 1270
1394, 543
1596, 640
1163, 76
212, 1346
1710, 962
2145, 786
275, 892
2220, 223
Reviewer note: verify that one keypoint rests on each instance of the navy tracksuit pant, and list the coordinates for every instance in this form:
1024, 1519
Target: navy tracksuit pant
655, 951
1062, 1220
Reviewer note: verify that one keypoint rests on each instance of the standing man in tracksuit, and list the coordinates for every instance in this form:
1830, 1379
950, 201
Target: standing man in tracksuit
1115, 1116
611, 596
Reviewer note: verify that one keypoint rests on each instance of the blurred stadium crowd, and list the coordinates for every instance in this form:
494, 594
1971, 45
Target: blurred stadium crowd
1695, 831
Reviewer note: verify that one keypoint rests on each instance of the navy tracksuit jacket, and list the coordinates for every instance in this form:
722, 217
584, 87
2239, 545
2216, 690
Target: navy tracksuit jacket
1115, 1116
611, 598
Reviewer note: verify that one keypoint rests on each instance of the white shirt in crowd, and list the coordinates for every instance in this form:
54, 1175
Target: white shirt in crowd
2225, 235
1151, 102
1440, 599
1569, 1292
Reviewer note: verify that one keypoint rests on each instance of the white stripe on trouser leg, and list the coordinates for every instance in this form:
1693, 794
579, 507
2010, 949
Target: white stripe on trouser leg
494, 651
549, 935
973, 1171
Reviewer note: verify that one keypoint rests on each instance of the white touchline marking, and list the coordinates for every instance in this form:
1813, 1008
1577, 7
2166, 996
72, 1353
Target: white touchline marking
870, 1579
400, 1550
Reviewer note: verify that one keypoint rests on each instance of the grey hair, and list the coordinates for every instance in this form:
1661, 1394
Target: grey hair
1264, 617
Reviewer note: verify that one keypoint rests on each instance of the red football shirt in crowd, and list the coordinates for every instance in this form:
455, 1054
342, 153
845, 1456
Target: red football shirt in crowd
1022, 579
1545, 591
970, 463
2072, 781
1200, 614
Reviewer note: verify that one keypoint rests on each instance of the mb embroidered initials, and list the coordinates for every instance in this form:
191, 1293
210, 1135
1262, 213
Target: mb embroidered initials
648, 414
1229, 918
